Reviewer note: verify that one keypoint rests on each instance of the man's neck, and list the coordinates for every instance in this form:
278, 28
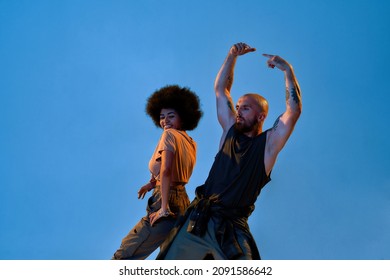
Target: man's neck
253, 133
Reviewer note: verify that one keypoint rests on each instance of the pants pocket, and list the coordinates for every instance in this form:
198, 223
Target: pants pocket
133, 241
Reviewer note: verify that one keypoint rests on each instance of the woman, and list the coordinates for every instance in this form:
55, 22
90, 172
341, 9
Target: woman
175, 109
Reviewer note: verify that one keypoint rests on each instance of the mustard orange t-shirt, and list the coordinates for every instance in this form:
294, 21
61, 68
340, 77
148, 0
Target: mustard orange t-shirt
184, 150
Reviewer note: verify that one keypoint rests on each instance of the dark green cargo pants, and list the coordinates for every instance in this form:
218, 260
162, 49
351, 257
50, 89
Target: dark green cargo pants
143, 239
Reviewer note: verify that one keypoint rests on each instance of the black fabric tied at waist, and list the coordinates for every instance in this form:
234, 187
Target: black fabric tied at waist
226, 220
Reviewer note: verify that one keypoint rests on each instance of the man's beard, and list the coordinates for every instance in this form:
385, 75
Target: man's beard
245, 128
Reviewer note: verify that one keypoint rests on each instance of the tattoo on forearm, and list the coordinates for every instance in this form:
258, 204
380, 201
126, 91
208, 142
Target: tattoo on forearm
229, 81
230, 106
287, 94
294, 93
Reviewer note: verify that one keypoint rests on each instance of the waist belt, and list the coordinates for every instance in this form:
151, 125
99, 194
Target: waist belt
174, 187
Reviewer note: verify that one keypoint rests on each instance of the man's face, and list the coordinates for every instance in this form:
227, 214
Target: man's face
247, 117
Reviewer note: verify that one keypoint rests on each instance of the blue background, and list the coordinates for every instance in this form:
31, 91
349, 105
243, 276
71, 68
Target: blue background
75, 140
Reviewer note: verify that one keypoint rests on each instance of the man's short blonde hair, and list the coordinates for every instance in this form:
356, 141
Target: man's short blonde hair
260, 101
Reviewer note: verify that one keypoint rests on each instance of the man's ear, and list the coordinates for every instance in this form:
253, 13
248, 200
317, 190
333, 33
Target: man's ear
261, 117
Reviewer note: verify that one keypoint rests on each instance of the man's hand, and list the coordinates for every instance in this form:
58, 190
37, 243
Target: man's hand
240, 49
278, 62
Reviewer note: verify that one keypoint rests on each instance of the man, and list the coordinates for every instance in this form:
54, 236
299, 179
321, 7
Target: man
215, 225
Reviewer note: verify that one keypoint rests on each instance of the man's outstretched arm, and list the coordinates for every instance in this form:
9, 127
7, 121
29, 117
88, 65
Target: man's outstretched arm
285, 123
223, 83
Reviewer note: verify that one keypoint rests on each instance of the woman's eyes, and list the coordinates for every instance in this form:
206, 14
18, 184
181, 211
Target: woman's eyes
169, 117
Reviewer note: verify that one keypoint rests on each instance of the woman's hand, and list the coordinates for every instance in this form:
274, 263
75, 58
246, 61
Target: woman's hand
155, 216
144, 189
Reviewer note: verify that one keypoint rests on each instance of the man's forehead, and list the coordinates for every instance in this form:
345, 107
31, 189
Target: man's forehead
245, 100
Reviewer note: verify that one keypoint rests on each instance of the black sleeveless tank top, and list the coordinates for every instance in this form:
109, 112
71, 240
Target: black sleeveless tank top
238, 172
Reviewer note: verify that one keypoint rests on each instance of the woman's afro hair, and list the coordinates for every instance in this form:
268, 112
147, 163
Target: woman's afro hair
184, 101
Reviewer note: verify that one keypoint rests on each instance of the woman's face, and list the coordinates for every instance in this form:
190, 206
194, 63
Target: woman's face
169, 118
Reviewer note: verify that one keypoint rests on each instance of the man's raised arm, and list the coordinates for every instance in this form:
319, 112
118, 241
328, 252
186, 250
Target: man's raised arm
284, 124
223, 83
